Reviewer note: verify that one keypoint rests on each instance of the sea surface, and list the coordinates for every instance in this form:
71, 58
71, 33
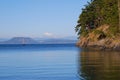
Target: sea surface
57, 62
39, 62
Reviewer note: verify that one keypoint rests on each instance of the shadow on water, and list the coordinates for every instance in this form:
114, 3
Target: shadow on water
96, 65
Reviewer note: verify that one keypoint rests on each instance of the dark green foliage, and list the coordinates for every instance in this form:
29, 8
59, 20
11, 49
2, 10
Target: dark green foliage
97, 13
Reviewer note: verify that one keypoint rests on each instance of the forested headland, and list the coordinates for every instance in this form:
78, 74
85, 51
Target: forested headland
98, 25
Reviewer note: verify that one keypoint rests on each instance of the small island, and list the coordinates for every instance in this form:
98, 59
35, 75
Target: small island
99, 25
20, 41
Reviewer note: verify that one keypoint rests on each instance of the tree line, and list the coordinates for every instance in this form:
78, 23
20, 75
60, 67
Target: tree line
97, 13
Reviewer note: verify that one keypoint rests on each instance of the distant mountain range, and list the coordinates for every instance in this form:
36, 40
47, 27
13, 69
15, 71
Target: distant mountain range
20, 40
27, 40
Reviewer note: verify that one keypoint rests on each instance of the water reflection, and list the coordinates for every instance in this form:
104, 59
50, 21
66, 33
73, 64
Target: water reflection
94, 65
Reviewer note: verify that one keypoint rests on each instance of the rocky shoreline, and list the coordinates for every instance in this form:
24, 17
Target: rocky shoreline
99, 41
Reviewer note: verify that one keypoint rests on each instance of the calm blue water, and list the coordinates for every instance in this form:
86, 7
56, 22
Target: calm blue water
39, 62
57, 62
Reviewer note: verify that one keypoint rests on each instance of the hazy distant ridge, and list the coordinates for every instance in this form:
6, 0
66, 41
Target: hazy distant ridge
20, 40
27, 40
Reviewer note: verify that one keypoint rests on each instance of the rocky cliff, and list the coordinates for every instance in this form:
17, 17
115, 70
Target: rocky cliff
100, 39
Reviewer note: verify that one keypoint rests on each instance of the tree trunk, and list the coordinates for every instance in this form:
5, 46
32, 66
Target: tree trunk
119, 13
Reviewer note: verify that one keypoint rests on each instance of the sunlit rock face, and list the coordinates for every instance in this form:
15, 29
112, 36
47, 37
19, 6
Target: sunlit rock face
99, 39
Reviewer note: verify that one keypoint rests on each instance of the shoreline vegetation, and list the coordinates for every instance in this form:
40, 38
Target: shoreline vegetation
98, 25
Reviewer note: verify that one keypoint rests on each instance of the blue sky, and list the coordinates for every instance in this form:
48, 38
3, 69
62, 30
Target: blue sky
39, 18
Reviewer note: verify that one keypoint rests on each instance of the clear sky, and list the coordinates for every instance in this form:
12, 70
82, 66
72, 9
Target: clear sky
38, 18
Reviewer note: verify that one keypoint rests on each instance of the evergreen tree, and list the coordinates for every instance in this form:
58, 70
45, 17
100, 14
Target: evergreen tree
97, 13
